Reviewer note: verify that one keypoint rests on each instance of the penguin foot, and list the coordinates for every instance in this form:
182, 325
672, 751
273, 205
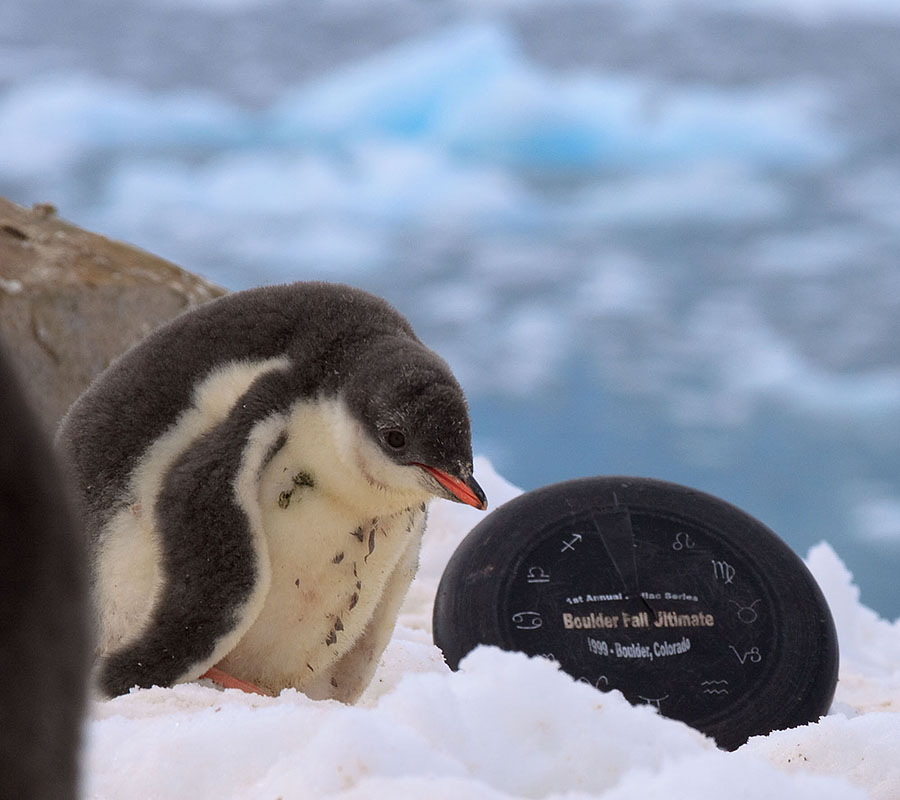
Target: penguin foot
227, 681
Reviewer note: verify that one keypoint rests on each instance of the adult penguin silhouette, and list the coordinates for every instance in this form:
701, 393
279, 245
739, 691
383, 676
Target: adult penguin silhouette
44, 617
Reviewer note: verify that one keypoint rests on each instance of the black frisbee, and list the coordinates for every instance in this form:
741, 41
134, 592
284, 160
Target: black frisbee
672, 596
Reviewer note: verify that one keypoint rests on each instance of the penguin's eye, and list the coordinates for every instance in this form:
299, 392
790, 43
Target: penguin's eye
395, 439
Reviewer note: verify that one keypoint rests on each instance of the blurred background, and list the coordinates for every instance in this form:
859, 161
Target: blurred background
656, 238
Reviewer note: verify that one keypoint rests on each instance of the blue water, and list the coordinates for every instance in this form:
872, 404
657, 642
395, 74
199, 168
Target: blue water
654, 238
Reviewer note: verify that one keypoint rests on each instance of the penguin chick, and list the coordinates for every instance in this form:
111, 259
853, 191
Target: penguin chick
254, 477
44, 616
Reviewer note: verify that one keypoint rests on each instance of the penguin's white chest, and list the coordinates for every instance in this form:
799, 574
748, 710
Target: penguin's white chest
341, 553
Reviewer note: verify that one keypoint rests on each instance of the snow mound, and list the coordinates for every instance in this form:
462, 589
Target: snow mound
504, 726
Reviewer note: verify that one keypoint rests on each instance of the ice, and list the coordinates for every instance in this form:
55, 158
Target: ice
217, 6
619, 285
436, 138
713, 191
878, 517
439, 139
505, 726
403, 93
819, 11
807, 11
53, 123
467, 92
471, 92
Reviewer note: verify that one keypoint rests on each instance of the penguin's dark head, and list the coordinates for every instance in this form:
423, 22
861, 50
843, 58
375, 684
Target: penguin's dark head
412, 408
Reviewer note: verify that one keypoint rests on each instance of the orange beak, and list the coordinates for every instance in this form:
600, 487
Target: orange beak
468, 492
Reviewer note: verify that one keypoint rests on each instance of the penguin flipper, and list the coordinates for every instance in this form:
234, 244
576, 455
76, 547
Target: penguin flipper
215, 569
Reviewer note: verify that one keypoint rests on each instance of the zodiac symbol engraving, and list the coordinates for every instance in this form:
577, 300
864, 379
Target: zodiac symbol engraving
537, 575
653, 701
746, 614
753, 655
527, 620
596, 684
723, 571
683, 541
570, 545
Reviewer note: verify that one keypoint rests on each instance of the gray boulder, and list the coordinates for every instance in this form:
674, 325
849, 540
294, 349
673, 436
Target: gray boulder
71, 301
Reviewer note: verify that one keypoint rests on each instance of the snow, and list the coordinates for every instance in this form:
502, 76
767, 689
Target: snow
504, 726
